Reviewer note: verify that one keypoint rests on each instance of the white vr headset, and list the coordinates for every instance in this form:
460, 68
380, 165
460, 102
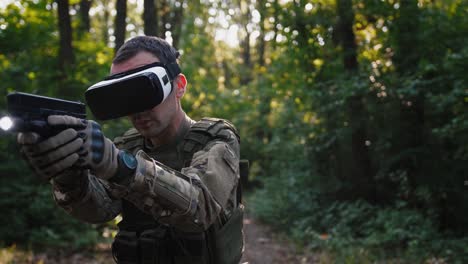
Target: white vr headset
131, 92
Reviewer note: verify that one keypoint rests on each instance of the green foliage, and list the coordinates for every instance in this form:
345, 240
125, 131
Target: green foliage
28, 63
348, 227
413, 115
31, 216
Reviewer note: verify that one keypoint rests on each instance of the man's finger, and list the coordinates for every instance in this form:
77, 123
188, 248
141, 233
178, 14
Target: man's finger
27, 138
61, 165
63, 120
59, 153
55, 141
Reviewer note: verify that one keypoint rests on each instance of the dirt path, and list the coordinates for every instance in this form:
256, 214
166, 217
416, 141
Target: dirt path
264, 247
261, 247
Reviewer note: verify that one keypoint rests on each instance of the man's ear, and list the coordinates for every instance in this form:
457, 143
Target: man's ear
180, 85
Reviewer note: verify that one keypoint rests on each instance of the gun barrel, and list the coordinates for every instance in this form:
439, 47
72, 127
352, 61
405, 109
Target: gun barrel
29, 112
22, 103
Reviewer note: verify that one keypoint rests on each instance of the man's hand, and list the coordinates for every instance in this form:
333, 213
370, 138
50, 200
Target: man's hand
52, 156
98, 153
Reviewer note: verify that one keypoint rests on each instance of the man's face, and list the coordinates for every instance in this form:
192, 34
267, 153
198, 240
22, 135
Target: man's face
153, 122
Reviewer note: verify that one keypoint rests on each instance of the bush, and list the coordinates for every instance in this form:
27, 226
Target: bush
354, 231
30, 217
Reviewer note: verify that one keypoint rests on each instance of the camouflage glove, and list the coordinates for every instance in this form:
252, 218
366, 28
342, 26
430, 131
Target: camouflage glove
98, 153
52, 156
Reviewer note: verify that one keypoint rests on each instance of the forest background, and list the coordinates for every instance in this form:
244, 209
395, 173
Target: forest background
353, 113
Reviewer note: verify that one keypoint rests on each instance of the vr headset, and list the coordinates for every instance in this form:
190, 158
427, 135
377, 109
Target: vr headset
131, 92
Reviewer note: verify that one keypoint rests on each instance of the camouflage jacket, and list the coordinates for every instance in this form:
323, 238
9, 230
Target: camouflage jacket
208, 179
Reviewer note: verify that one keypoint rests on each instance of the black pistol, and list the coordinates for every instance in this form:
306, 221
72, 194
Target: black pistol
29, 112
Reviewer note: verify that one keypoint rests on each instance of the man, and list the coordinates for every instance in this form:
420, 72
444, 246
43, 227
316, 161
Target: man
174, 180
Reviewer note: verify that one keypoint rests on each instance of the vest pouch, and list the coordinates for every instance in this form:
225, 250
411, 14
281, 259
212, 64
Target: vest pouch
153, 247
228, 240
125, 247
190, 248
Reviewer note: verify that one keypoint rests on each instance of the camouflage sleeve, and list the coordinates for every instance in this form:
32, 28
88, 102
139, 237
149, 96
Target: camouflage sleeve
190, 200
217, 167
88, 202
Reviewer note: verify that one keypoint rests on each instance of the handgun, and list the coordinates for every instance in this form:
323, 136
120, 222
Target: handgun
29, 112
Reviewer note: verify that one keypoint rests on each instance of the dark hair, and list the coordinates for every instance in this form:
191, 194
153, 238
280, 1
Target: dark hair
154, 45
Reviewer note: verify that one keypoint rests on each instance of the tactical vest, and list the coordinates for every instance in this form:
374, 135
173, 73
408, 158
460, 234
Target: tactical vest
143, 240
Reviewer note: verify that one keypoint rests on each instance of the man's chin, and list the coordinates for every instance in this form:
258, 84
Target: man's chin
144, 132
148, 133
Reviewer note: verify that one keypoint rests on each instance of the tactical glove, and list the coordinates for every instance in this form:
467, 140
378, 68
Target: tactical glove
98, 153
52, 156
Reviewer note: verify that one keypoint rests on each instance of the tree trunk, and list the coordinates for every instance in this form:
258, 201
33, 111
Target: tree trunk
120, 24
176, 25
301, 22
245, 53
245, 50
261, 38
411, 128
66, 57
347, 37
360, 173
85, 24
150, 18
406, 26
263, 132
105, 24
165, 14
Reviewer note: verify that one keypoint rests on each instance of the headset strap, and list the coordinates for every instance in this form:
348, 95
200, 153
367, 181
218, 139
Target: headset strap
172, 69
